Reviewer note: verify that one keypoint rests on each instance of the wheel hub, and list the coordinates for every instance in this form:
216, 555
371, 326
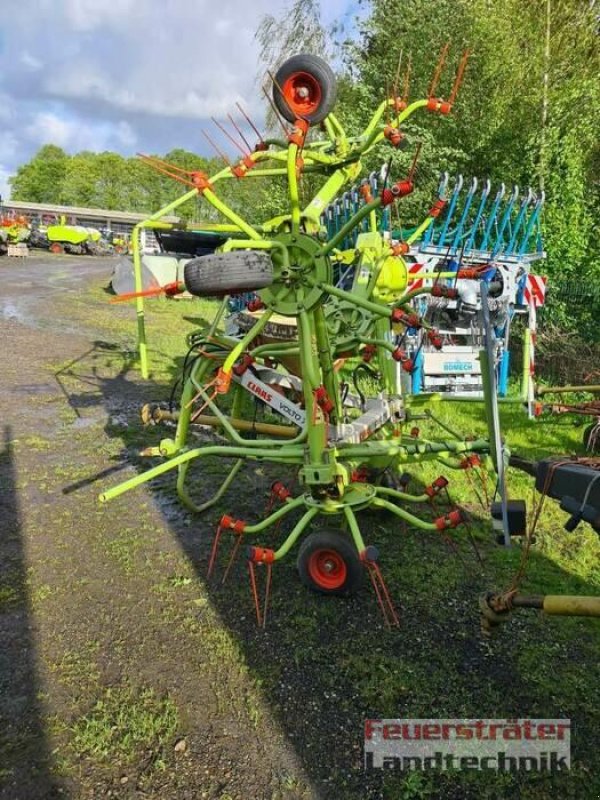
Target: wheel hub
291, 290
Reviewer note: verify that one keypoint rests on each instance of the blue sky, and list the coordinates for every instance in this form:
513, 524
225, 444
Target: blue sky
127, 75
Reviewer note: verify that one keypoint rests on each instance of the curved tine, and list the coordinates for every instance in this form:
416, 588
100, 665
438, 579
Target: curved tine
374, 182
443, 185
384, 172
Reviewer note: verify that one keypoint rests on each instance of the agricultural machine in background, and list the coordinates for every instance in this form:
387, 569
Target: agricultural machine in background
13, 230
476, 237
324, 343
73, 239
58, 237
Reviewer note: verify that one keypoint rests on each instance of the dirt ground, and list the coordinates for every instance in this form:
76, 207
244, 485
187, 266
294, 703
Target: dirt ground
83, 619
124, 675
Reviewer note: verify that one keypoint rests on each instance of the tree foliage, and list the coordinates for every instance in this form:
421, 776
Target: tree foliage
509, 123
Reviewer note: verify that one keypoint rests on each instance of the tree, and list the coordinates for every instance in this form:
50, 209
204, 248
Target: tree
41, 179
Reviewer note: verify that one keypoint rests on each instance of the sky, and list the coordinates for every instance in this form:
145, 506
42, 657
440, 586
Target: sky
126, 75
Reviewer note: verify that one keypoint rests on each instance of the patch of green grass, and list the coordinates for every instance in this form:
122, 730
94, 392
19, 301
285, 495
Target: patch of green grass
34, 442
126, 724
125, 548
78, 668
10, 593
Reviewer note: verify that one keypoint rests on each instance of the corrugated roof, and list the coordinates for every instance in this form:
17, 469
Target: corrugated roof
104, 213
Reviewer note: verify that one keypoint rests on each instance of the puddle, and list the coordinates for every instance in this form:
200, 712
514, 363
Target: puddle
86, 422
10, 310
36, 388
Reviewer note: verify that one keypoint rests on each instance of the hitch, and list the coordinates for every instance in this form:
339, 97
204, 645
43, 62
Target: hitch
496, 608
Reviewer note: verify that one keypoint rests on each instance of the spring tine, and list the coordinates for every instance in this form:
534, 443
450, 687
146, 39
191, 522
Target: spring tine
214, 550
274, 109
254, 589
371, 572
397, 75
239, 131
413, 166
267, 594
386, 605
249, 121
438, 70
197, 413
154, 160
483, 478
474, 544
156, 166
460, 73
234, 551
392, 609
473, 486
387, 102
214, 146
229, 136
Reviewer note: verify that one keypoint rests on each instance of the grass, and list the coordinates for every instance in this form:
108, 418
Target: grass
9, 597
126, 724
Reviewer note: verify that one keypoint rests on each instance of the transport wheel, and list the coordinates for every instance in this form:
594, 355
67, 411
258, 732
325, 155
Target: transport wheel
219, 274
328, 563
56, 247
304, 88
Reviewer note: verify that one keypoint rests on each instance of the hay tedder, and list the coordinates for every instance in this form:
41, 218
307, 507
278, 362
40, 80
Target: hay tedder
325, 354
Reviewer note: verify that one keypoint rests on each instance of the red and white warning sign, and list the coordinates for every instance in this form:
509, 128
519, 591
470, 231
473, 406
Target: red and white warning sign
535, 290
413, 272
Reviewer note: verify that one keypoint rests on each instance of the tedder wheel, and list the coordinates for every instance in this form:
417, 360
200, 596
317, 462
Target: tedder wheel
304, 88
328, 563
591, 437
56, 247
219, 274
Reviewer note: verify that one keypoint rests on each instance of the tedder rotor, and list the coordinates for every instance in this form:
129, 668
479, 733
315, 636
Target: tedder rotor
303, 331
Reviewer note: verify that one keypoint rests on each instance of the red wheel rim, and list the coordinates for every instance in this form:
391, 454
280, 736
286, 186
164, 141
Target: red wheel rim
302, 93
327, 569
56, 248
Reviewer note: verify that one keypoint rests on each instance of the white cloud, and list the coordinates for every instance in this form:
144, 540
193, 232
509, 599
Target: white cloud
188, 60
30, 62
48, 127
85, 15
119, 74
125, 134
9, 144
6, 110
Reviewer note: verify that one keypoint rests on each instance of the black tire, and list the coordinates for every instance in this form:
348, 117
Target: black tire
591, 441
320, 84
219, 274
345, 574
